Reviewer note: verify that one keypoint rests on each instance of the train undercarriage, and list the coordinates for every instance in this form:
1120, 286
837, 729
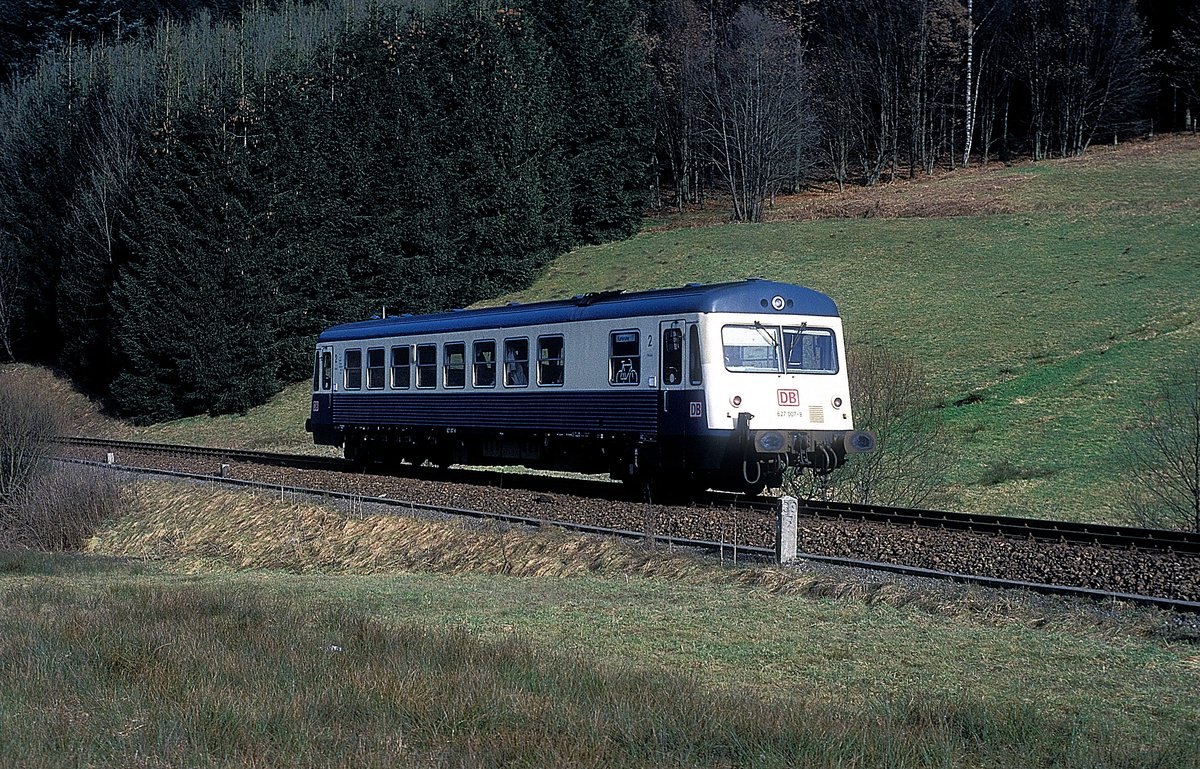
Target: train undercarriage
662, 465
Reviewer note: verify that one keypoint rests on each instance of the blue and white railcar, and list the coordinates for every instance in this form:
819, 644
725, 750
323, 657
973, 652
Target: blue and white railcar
720, 386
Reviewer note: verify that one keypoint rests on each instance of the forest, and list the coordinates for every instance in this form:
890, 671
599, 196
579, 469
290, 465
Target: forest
190, 191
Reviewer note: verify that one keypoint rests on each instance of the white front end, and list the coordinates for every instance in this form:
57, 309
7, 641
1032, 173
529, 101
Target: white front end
786, 371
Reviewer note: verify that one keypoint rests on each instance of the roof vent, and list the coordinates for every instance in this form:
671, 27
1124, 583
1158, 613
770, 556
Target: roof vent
596, 296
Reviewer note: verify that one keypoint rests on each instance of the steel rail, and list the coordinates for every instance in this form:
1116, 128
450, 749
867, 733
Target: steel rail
337, 464
1041, 529
240, 455
756, 553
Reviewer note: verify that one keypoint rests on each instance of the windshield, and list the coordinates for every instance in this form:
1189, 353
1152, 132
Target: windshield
758, 348
751, 348
810, 351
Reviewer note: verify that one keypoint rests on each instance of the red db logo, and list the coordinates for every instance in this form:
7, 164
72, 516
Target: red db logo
789, 397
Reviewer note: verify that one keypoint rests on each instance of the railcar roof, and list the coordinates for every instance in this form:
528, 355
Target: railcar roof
751, 295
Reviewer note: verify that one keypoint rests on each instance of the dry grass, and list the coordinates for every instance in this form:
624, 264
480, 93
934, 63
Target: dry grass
974, 191
257, 531
205, 529
78, 414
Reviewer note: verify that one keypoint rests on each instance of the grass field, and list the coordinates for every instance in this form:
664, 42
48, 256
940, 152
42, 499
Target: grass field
1060, 315
1056, 310
247, 632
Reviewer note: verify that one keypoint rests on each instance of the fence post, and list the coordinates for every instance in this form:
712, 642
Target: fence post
785, 531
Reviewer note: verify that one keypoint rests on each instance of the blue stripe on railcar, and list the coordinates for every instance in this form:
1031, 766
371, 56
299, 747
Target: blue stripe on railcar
560, 411
682, 413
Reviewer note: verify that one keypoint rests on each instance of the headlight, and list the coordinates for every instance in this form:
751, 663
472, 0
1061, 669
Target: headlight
736, 401
837, 403
859, 441
772, 442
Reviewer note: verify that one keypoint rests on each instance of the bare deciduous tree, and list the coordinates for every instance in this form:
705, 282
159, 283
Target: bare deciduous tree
1101, 75
8, 297
890, 396
1186, 61
759, 114
1164, 451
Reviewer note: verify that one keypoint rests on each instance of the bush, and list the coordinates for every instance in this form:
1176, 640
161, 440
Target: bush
891, 397
42, 506
29, 420
59, 509
1163, 488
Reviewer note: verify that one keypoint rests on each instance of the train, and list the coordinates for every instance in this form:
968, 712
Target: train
707, 386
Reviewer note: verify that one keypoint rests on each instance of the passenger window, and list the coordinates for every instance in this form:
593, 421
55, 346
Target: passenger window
485, 364
672, 356
695, 369
401, 367
516, 362
624, 357
455, 366
375, 367
353, 373
426, 366
550, 360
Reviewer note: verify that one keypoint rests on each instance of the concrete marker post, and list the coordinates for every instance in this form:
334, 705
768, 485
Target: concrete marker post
785, 531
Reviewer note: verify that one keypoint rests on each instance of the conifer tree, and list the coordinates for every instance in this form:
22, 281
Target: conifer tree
605, 127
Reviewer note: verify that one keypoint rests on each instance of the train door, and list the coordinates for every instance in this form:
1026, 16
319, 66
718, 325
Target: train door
320, 420
323, 371
671, 356
678, 412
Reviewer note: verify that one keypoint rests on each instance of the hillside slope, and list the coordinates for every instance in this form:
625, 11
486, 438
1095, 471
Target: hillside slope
1057, 308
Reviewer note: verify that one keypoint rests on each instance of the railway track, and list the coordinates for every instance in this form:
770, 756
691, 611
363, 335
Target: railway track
756, 515
1044, 530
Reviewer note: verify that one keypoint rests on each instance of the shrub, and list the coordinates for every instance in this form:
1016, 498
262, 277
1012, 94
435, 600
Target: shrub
28, 422
42, 506
891, 397
1163, 488
59, 509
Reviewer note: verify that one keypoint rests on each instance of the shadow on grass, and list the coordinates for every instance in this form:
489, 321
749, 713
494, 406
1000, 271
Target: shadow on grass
37, 562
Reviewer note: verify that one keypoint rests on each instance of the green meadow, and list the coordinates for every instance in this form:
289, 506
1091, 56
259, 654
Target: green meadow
1051, 323
216, 629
